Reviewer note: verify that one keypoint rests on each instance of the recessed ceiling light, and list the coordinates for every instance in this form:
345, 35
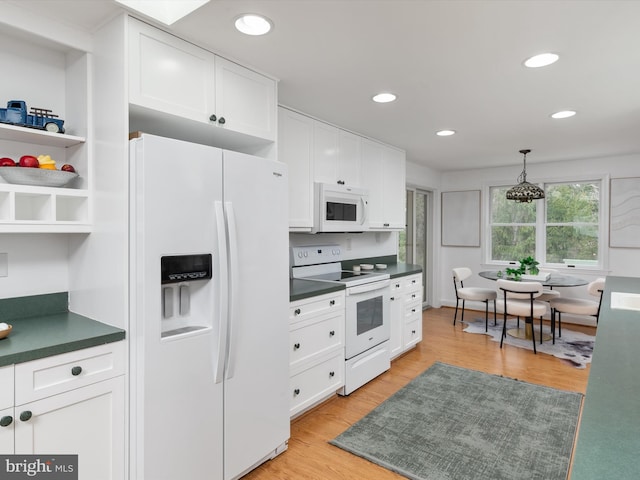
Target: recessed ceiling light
252, 24
384, 97
445, 133
563, 114
541, 60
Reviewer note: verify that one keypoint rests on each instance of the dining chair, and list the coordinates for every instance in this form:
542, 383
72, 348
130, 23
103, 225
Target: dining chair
463, 293
520, 299
577, 306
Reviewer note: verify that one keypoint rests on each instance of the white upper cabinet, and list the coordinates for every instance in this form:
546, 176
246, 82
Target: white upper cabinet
245, 100
384, 175
349, 157
175, 77
295, 148
336, 155
318, 152
170, 75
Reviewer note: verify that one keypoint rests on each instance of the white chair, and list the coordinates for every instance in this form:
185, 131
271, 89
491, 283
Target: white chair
519, 299
577, 306
472, 293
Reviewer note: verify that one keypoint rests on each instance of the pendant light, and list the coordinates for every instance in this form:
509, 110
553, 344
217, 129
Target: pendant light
524, 191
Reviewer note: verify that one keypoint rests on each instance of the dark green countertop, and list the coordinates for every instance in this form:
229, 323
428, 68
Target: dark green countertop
301, 289
42, 327
609, 435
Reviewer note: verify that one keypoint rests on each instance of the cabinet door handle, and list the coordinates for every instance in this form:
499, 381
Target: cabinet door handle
296, 391
413, 332
75, 371
413, 310
297, 311
340, 182
397, 285
332, 333
385, 224
332, 302
392, 298
26, 415
413, 296
222, 121
213, 118
6, 421
331, 374
296, 346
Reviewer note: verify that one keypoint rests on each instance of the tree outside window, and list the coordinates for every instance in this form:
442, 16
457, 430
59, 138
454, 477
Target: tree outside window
561, 229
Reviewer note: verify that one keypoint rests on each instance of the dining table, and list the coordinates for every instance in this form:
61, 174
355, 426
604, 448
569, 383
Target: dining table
555, 279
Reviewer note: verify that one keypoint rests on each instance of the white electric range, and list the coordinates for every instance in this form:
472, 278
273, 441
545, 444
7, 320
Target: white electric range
367, 318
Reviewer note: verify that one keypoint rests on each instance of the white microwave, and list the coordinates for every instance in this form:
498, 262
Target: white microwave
340, 208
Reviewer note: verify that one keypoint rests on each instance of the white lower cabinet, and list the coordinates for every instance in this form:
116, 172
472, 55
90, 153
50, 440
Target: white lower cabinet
316, 349
72, 403
6, 409
406, 313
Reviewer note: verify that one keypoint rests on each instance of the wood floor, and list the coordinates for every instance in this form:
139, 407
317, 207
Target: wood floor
310, 457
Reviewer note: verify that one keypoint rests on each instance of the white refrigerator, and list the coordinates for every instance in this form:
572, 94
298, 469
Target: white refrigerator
208, 332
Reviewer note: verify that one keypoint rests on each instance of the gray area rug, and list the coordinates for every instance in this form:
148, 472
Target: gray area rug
575, 347
455, 423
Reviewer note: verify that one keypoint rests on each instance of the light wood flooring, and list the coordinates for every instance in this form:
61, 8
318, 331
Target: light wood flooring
311, 457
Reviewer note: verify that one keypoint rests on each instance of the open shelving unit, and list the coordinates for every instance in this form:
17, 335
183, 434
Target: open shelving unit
44, 209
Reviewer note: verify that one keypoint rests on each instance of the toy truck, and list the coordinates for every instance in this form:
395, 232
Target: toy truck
40, 118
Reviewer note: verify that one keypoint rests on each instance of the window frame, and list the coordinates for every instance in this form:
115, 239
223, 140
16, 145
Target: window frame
540, 224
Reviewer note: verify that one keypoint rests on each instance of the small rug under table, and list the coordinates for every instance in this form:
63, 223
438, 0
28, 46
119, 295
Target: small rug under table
455, 423
574, 347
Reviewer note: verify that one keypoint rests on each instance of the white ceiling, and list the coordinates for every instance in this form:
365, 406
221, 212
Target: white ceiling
454, 64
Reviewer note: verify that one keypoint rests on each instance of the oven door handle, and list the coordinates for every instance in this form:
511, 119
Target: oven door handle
368, 287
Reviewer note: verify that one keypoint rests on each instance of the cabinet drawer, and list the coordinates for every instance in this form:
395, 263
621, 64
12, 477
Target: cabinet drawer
412, 309
412, 332
60, 373
412, 283
317, 382
6, 386
415, 296
315, 338
304, 309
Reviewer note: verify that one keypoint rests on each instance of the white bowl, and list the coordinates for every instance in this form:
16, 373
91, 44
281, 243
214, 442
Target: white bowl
42, 177
381, 266
366, 266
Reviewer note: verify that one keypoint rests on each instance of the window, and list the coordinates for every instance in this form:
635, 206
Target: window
562, 229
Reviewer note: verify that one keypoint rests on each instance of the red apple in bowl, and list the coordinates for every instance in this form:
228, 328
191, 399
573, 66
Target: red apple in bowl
67, 168
7, 162
29, 161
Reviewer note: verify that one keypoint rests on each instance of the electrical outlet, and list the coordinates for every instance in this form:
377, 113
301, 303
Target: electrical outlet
4, 264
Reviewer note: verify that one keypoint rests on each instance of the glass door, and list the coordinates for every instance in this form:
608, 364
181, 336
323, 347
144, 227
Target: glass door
414, 242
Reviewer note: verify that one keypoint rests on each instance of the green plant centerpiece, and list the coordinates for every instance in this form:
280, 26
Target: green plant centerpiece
528, 265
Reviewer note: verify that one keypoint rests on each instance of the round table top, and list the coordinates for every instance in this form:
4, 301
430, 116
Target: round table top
555, 279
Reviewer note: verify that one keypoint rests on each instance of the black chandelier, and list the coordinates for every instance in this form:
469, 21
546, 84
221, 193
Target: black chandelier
524, 191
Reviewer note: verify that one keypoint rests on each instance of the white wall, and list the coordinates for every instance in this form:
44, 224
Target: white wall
37, 264
353, 245
621, 261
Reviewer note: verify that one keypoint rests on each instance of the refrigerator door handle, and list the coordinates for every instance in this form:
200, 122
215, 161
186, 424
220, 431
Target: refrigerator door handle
222, 312
233, 289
